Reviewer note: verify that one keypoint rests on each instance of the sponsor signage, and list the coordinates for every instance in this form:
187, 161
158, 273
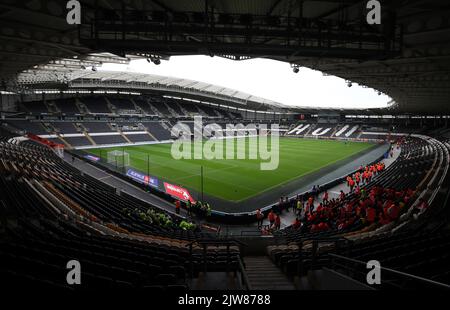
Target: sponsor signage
92, 157
140, 177
178, 192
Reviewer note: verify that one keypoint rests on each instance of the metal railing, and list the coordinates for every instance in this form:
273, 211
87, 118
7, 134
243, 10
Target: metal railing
204, 243
398, 276
314, 253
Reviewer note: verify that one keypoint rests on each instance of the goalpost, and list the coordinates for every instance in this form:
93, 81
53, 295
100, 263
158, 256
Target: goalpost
118, 159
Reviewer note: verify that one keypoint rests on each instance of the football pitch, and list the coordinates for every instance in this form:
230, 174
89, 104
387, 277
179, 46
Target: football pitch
237, 179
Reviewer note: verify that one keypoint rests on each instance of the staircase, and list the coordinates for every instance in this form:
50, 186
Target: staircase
111, 106
51, 107
137, 107
68, 145
125, 137
154, 109
264, 275
183, 110
172, 111
202, 113
81, 106
150, 134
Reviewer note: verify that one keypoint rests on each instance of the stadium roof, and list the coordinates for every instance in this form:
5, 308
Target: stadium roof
87, 80
406, 57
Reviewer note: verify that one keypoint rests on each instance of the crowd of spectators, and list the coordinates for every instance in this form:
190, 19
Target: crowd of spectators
360, 207
363, 205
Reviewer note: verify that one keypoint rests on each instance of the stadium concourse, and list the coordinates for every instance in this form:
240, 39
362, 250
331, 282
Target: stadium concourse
92, 198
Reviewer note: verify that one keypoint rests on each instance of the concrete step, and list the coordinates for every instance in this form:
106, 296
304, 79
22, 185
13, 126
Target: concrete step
264, 275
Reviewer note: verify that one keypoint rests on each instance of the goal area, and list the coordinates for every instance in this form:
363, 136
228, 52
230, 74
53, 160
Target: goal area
118, 158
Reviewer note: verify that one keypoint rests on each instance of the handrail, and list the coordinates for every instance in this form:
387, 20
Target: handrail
400, 273
204, 243
244, 276
217, 242
253, 233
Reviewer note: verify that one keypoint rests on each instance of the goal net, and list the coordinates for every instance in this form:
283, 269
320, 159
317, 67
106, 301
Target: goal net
118, 158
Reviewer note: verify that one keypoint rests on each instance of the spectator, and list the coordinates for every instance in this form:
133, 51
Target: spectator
277, 222
208, 210
271, 217
371, 214
297, 223
259, 218
177, 206
393, 212
342, 196
299, 206
203, 208
189, 207
325, 196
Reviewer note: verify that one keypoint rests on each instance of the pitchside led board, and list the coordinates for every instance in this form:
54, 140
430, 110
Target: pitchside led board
142, 178
173, 190
178, 192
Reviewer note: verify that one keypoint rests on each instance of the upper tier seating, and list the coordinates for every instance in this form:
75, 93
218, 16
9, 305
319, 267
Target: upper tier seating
160, 106
67, 106
122, 104
140, 138
78, 141
156, 129
112, 139
65, 127
142, 103
96, 105
35, 107
173, 105
208, 110
191, 107
97, 127
128, 126
28, 126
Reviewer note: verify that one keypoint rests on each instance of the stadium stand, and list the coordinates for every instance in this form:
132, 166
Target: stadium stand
400, 184
110, 139
160, 106
77, 141
64, 127
67, 106
157, 130
120, 247
122, 104
140, 138
28, 126
354, 186
96, 105
97, 127
35, 107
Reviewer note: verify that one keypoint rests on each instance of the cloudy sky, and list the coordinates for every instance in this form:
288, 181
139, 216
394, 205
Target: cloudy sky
265, 78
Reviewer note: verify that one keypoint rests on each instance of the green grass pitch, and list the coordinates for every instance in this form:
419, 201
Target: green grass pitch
238, 179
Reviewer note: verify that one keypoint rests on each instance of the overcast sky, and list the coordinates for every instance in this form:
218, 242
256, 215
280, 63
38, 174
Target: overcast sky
265, 78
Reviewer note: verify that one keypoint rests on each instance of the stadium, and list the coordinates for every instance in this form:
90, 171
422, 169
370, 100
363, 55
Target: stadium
125, 180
